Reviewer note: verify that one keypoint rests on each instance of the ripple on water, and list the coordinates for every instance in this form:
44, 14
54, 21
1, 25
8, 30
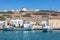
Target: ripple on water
29, 35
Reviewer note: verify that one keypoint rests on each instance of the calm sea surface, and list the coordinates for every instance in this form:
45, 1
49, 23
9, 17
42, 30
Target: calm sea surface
29, 35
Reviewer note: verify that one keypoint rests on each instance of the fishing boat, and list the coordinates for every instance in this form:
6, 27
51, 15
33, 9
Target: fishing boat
26, 27
44, 26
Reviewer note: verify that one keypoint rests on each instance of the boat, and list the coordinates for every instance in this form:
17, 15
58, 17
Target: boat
26, 27
45, 29
44, 26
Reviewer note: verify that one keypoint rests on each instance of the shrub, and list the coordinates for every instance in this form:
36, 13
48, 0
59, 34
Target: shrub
27, 15
2, 18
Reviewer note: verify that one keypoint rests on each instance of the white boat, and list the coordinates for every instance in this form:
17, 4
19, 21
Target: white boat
44, 26
16, 22
26, 27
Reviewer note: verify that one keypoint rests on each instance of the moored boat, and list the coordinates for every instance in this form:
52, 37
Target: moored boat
26, 27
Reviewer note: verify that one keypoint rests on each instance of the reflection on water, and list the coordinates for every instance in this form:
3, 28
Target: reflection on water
29, 35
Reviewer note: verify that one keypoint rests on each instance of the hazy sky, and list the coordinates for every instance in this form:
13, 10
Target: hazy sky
30, 4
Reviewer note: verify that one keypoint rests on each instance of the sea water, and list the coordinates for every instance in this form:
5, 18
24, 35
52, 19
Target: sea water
29, 35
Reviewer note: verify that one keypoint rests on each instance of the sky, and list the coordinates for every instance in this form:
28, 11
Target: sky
30, 4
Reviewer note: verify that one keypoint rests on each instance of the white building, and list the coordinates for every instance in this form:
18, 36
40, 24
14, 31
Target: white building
24, 9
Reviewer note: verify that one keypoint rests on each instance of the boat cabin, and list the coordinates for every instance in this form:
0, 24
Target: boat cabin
16, 23
3, 24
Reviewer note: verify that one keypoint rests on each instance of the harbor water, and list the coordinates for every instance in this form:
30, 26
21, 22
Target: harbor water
29, 35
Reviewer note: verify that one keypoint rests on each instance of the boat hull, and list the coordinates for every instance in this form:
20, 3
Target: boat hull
45, 30
16, 29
